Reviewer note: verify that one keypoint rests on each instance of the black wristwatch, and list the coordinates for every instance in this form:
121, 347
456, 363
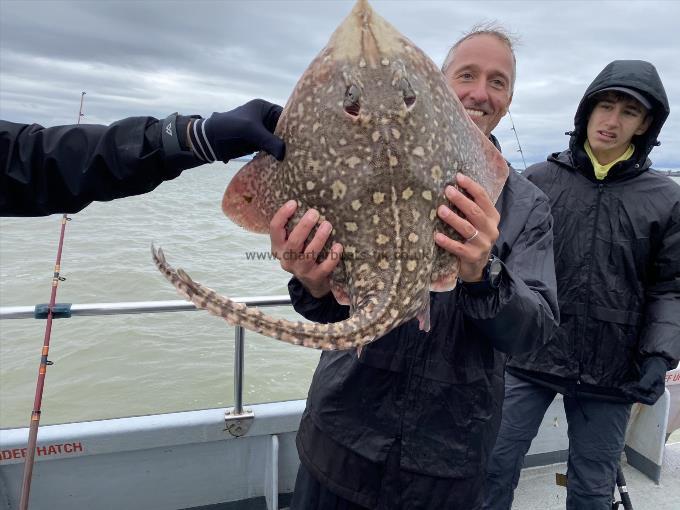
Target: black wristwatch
492, 271
491, 278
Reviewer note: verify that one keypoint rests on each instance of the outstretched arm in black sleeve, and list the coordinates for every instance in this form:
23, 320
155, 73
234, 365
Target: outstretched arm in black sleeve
62, 169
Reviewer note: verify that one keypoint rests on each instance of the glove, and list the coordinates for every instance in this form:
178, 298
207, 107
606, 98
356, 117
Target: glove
238, 132
652, 381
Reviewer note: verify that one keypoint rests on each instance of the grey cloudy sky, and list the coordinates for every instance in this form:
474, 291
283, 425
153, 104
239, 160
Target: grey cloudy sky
156, 57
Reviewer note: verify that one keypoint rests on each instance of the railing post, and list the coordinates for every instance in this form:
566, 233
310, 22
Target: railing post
238, 420
238, 369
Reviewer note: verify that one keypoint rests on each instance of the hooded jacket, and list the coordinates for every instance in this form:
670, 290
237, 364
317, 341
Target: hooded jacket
434, 395
617, 256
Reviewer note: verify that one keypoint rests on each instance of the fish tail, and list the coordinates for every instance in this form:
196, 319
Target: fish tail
370, 321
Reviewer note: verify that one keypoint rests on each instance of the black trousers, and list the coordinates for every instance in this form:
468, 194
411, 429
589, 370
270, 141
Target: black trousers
596, 431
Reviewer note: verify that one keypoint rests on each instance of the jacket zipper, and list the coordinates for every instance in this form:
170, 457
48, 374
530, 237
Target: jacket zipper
600, 191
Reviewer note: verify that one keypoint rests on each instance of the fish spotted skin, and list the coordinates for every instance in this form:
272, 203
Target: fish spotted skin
373, 135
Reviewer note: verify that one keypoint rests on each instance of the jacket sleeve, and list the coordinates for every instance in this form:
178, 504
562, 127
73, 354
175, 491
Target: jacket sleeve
62, 169
661, 328
522, 313
322, 310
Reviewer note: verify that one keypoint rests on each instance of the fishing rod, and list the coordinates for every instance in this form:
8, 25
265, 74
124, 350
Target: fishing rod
625, 502
44, 362
517, 138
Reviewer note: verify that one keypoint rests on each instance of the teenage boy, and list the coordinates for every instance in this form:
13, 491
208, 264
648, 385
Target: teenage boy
617, 263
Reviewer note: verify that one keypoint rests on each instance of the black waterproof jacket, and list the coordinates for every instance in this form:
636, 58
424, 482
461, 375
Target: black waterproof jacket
64, 168
617, 257
439, 393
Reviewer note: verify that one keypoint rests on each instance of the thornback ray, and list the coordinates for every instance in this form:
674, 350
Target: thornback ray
373, 135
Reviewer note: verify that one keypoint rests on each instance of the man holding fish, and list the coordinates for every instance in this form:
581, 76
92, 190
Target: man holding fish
409, 420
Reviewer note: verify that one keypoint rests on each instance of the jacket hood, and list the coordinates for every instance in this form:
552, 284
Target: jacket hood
635, 74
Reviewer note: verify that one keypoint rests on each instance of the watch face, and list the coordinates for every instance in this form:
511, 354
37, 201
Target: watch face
495, 268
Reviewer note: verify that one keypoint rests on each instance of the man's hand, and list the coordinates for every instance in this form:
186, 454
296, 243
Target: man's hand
652, 381
299, 259
477, 222
238, 132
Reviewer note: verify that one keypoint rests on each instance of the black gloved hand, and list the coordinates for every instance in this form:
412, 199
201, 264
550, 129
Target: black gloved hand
238, 132
652, 381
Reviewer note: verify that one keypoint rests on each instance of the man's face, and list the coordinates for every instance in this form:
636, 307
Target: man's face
614, 121
481, 73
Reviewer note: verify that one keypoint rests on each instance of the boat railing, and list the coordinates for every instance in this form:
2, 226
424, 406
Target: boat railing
237, 419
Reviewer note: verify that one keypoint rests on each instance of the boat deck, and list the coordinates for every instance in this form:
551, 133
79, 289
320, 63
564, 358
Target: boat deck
537, 489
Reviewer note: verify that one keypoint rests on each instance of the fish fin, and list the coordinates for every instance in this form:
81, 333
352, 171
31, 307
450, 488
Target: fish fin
445, 272
445, 282
340, 293
424, 321
424, 315
493, 179
243, 199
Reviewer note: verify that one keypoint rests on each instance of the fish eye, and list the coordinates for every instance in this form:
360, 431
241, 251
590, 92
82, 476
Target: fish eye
408, 93
352, 103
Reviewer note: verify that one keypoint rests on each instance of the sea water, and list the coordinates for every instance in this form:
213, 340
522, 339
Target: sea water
129, 365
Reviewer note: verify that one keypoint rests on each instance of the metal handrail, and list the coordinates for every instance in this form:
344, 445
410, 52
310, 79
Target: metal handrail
136, 307
132, 307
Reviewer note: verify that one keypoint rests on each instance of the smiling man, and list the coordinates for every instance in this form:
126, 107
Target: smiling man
617, 246
481, 69
409, 423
